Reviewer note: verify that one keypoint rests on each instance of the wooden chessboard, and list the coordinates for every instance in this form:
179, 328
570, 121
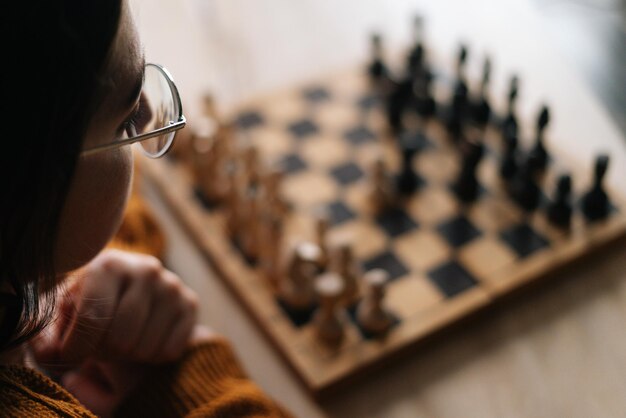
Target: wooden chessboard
446, 260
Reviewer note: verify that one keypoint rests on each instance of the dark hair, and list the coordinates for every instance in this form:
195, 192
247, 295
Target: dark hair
55, 54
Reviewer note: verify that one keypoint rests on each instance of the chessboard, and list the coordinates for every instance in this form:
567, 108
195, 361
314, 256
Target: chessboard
445, 254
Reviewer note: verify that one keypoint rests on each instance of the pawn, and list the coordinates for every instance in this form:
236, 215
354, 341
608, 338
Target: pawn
539, 152
382, 190
425, 104
482, 108
371, 314
457, 111
560, 210
322, 224
276, 202
595, 203
408, 181
508, 167
415, 60
328, 320
296, 288
273, 229
509, 124
466, 186
377, 69
345, 266
524, 188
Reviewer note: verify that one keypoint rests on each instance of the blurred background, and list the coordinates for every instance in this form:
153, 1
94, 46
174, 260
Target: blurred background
557, 354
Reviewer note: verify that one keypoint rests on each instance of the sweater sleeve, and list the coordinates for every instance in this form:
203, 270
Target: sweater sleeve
207, 382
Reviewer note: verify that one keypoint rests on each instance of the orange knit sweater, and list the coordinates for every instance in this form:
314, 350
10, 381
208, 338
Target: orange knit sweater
206, 382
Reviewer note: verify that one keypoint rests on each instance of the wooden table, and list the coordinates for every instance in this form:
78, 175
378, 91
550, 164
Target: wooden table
557, 351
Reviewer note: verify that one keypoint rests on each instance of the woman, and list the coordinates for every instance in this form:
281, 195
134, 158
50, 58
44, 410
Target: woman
120, 337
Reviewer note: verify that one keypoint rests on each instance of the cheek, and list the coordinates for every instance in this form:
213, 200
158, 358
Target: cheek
94, 207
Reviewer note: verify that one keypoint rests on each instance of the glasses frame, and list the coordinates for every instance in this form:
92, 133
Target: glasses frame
174, 126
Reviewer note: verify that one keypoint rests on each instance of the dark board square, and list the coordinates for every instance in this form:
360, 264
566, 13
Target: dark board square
395, 222
524, 240
388, 262
352, 313
339, 213
249, 120
416, 140
359, 135
292, 163
316, 94
368, 102
298, 317
347, 173
458, 231
303, 128
451, 278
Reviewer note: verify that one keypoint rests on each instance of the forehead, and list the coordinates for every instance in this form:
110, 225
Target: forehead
124, 67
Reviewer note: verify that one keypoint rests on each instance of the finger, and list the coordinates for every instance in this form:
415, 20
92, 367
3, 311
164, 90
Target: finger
167, 304
129, 322
95, 311
177, 338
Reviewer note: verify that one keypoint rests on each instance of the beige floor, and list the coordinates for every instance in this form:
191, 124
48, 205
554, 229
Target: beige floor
559, 351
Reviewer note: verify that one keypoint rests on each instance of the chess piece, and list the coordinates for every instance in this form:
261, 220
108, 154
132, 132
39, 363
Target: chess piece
296, 288
251, 166
458, 107
425, 104
371, 314
234, 200
595, 203
509, 124
203, 161
415, 60
273, 181
539, 153
482, 108
250, 234
382, 190
467, 186
321, 235
560, 210
398, 99
328, 320
524, 188
508, 167
345, 265
408, 181
271, 252
377, 69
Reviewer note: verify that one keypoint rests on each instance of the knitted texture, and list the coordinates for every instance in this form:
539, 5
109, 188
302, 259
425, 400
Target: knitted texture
207, 382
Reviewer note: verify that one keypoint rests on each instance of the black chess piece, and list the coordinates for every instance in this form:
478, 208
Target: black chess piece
460, 66
467, 187
377, 69
425, 104
539, 153
457, 111
509, 124
560, 210
481, 110
524, 188
397, 102
415, 59
408, 180
509, 166
595, 203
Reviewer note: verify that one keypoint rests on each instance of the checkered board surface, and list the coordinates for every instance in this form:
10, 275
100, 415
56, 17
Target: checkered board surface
446, 260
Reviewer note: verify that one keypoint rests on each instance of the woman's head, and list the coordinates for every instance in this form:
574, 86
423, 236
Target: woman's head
74, 79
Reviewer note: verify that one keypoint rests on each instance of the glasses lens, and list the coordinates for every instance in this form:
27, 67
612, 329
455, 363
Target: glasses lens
159, 108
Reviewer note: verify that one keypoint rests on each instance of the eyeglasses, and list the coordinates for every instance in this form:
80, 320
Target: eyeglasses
159, 115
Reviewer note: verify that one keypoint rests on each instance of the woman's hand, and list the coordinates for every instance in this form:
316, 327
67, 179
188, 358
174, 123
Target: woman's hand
122, 307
